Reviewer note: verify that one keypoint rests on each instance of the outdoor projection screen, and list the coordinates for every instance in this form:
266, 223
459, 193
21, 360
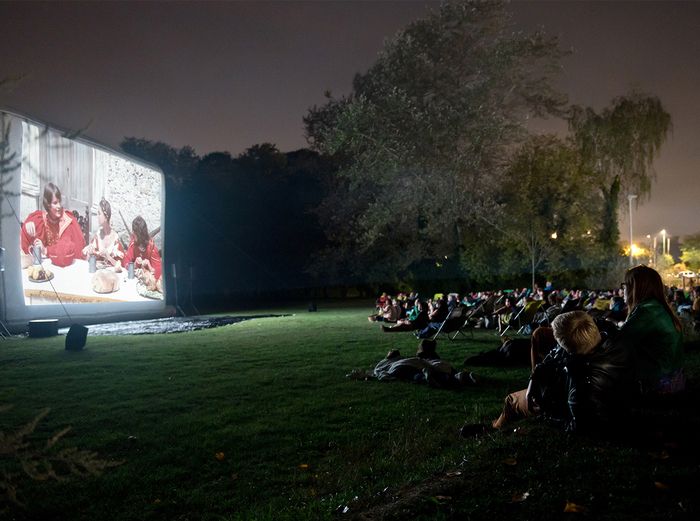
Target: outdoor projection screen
82, 227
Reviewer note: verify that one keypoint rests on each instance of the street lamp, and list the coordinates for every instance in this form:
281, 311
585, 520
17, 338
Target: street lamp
663, 243
630, 197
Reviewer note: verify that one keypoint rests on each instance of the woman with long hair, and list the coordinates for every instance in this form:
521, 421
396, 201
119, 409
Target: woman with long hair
144, 254
652, 333
105, 243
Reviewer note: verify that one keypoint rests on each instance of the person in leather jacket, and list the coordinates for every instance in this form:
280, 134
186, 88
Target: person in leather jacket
584, 382
591, 383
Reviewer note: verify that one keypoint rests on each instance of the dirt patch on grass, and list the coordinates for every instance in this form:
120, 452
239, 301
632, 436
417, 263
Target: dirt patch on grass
412, 501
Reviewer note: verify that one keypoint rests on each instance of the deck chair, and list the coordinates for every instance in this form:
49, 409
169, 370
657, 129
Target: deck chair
4, 333
571, 305
456, 322
524, 317
486, 306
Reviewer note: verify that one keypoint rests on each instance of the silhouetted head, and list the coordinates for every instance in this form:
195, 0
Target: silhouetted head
427, 349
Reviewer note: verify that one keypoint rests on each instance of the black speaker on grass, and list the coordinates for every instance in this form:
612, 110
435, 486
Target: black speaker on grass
43, 328
312, 307
76, 338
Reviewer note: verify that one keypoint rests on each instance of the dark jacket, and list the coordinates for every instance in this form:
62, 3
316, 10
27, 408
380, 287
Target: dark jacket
600, 387
587, 391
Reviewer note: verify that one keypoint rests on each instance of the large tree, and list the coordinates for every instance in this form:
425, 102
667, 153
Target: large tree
423, 139
546, 217
619, 146
690, 251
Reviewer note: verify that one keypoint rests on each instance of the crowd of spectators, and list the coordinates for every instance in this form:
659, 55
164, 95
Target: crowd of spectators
499, 309
593, 353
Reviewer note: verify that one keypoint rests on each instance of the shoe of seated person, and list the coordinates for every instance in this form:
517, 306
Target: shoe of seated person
471, 430
466, 378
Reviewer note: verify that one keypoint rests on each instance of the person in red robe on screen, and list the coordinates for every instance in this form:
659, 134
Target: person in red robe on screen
56, 231
143, 253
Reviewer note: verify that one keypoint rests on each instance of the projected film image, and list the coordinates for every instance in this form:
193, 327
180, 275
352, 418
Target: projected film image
90, 223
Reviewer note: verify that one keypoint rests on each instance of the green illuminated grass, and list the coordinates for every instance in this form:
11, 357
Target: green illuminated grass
299, 439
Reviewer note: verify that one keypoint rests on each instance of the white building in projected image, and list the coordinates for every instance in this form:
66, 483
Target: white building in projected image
81, 229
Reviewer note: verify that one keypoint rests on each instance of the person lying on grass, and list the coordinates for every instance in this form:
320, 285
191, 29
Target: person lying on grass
426, 367
584, 382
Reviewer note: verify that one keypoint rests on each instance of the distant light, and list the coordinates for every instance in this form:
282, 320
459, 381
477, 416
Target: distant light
554, 235
588, 232
637, 251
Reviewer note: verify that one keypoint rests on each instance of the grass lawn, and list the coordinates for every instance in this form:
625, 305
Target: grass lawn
296, 439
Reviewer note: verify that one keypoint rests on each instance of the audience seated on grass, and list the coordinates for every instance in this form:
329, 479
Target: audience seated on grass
553, 308
437, 313
585, 382
381, 301
681, 302
389, 313
416, 318
505, 313
579, 385
695, 310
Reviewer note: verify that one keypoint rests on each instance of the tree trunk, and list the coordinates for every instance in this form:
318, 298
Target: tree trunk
533, 253
610, 233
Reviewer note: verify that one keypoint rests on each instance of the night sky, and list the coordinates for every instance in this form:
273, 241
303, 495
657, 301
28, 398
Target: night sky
225, 76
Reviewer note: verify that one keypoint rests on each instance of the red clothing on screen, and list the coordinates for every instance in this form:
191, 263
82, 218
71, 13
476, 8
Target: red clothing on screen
151, 255
63, 239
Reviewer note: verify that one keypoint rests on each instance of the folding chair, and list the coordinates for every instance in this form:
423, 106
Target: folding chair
524, 317
571, 305
464, 325
486, 306
456, 322
4, 333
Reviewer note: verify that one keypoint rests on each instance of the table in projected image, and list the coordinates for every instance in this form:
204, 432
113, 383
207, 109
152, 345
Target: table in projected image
73, 285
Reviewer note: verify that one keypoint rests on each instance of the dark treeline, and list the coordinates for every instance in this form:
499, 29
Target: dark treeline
239, 226
247, 227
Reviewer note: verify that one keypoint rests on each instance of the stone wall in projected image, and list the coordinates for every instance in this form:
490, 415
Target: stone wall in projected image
132, 190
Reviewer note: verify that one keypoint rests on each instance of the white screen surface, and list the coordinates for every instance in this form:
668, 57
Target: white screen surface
91, 223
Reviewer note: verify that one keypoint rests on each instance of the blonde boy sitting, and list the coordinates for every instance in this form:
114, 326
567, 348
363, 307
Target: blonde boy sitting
577, 335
